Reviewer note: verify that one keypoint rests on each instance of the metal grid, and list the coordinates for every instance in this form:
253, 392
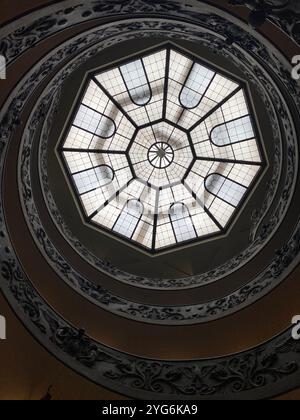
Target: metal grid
162, 150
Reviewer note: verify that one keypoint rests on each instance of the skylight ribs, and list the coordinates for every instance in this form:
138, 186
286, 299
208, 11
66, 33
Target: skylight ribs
97, 124
225, 189
194, 89
204, 221
136, 81
162, 150
129, 216
182, 223
94, 122
169, 228
95, 177
232, 132
148, 143
166, 83
228, 133
181, 226
220, 187
117, 200
195, 86
138, 87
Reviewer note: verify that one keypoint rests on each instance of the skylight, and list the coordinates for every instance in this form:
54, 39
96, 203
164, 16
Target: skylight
162, 150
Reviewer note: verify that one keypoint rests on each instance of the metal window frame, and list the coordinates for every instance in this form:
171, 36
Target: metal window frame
242, 85
129, 90
225, 125
185, 87
228, 179
100, 113
169, 162
138, 219
187, 217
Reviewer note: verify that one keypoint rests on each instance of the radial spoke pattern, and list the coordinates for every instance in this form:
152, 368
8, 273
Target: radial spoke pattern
161, 155
162, 149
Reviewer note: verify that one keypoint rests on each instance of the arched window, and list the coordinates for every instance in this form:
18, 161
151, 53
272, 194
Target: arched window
227, 190
232, 132
130, 217
137, 83
182, 223
93, 178
94, 122
195, 86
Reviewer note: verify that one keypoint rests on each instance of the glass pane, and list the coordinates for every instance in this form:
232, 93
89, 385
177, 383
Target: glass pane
129, 218
136, 82
182, 223
232, 132
226, 189
195, 86
94, 122
93, 178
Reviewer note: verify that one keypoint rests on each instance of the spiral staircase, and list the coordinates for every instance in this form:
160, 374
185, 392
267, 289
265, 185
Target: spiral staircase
208, 321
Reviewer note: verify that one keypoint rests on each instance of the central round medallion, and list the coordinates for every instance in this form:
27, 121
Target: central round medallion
161, 155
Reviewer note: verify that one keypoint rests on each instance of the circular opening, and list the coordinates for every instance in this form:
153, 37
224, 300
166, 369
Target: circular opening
161, 155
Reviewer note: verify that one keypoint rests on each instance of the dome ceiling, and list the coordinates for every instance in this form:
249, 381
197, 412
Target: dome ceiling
162, 150
131, 126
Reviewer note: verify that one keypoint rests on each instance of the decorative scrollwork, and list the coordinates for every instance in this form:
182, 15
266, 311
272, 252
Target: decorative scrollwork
231, 377
235, 376
178, 314
284, 13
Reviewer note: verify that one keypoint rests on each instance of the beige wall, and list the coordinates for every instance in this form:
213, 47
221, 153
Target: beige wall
26, 369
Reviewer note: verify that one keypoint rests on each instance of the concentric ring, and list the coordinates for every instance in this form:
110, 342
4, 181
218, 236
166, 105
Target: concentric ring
103, 365
160, 155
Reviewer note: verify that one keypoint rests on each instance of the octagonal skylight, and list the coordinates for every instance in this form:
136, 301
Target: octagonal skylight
162, 150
